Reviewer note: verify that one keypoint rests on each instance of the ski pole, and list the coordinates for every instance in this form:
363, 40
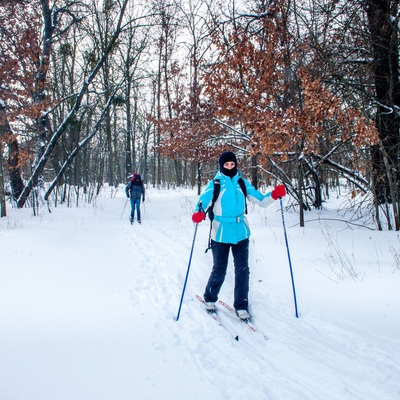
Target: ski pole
187, 272
126, 202
290, 263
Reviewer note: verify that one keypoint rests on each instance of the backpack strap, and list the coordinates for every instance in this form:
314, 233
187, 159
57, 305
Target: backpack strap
243, 187
209, 211
217, 189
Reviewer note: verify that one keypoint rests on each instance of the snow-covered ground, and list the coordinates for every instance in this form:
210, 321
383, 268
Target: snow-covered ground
88, 307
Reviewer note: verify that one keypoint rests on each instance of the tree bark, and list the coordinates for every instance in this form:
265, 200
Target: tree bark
14, 170
383, 25
3, 210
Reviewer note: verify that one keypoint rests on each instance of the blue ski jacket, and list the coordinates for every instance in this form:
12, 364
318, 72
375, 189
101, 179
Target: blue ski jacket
230, 224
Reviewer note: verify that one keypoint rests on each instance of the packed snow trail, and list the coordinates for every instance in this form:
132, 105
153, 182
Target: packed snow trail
90, 301
311, 358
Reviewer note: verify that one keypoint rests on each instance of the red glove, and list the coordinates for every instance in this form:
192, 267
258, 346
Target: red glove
278, 192
198, 216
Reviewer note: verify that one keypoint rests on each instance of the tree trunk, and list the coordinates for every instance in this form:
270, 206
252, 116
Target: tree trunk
300, 183
382, 19
3, 211
14, 170
199, 178
254, 169
42, 125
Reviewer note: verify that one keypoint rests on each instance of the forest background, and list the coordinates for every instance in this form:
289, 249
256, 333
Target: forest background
305, 92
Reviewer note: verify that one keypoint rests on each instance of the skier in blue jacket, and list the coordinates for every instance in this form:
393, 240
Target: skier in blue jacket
230, 230
134, 191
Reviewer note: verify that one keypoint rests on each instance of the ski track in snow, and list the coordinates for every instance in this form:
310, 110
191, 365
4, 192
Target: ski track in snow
314, 357
275, 369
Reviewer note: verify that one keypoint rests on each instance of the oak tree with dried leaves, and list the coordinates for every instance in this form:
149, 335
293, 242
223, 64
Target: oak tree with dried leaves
261, 82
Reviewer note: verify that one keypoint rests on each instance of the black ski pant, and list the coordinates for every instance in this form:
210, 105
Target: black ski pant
240, 252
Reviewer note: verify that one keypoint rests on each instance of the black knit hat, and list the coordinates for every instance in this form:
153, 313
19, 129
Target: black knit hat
225, 157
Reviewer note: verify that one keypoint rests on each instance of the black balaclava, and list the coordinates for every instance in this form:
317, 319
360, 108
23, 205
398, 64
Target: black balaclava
225, 157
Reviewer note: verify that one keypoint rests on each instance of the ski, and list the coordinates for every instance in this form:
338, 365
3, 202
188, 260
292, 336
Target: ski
215, 317
248, 323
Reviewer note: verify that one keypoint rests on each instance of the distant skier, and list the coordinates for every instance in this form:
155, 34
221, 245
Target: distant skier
135, 191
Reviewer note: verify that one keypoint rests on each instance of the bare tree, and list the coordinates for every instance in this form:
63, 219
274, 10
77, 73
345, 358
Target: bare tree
133, 45
39, 166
